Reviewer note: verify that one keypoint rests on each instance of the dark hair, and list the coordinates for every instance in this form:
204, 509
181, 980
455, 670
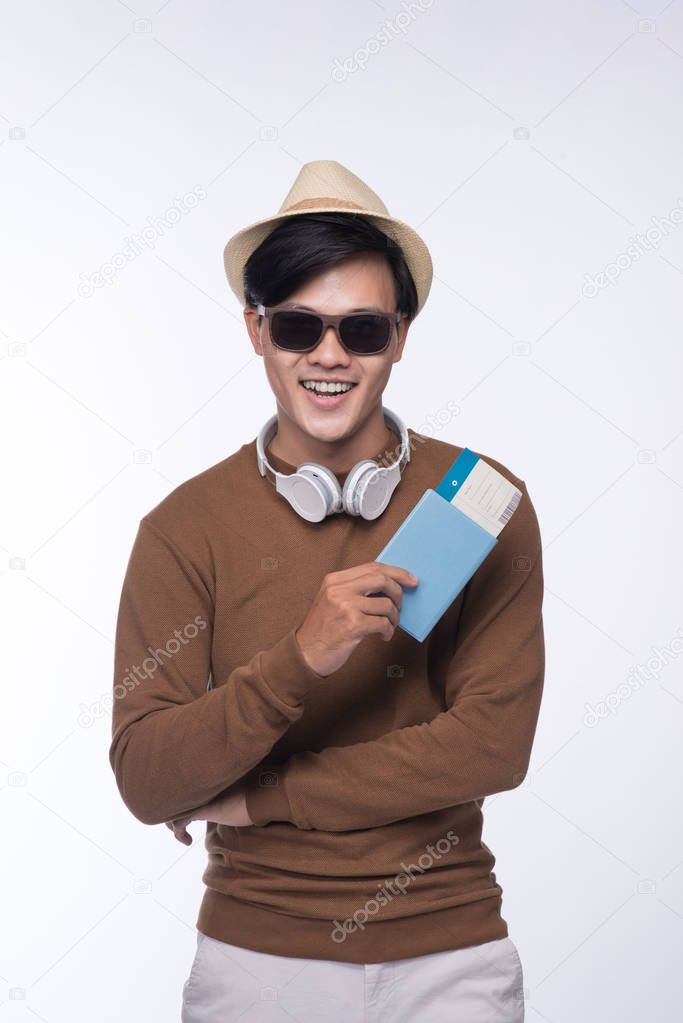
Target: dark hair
302, 246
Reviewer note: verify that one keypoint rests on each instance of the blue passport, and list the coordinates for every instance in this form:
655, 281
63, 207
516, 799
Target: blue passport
444, 548
446, 537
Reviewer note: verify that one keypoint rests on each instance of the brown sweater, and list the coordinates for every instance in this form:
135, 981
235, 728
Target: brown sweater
365, 787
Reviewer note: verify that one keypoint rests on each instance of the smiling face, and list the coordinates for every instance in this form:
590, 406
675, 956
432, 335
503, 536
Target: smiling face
312, 428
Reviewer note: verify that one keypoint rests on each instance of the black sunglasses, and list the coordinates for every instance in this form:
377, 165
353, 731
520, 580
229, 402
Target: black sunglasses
294, 330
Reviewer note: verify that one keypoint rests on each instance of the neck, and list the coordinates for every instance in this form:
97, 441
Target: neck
295, 446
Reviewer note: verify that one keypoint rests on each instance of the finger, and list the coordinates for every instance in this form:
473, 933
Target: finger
380, 625
183, 835
402, 575
179, 829
381, 606
381, 584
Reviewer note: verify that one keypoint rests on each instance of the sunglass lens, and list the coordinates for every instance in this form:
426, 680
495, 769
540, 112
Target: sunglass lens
365, 334
297, 332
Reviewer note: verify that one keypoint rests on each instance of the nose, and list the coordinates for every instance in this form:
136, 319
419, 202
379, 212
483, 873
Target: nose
330, 351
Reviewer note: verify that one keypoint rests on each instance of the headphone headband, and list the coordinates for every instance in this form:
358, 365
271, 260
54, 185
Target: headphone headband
314, 491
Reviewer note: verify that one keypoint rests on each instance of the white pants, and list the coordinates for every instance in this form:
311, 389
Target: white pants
480, 984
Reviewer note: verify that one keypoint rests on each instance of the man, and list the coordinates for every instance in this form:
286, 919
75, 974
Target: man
262, 684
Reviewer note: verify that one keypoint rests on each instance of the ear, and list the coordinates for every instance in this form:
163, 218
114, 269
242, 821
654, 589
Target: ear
254, 323
402, 330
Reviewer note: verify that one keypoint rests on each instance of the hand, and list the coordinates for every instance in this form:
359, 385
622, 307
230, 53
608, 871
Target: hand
345, 610
228, 808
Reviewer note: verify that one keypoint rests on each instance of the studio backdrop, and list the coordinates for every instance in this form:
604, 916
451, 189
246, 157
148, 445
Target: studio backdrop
536, 147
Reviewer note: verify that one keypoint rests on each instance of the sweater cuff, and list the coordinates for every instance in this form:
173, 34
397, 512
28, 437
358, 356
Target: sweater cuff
266, 796
286, 671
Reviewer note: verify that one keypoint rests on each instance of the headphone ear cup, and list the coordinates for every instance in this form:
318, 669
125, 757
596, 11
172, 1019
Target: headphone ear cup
325, 483
366, 490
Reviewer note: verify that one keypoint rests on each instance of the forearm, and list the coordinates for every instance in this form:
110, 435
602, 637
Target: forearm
411, 771
174, 745
173, 760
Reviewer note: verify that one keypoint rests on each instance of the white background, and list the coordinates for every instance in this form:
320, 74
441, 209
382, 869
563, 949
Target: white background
528, 143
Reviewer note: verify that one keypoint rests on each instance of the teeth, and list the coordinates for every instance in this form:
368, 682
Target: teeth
325, 388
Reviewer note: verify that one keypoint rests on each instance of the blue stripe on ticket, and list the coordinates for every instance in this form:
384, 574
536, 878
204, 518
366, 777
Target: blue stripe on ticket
457, 474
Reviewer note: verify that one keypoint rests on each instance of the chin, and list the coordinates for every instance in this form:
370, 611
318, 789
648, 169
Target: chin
325, 424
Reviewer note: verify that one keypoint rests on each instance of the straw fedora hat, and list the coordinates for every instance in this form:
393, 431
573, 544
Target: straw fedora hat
327, 186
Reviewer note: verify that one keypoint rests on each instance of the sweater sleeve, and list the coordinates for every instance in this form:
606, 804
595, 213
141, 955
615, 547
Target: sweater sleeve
176, 745
481, 744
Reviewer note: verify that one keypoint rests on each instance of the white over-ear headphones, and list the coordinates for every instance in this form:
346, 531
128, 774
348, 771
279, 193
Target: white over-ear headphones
314, 492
